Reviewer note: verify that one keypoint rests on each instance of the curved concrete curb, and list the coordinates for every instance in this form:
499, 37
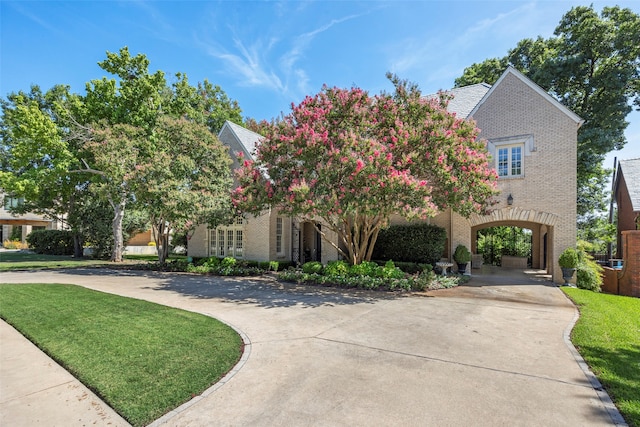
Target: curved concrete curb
612, 410
243, 359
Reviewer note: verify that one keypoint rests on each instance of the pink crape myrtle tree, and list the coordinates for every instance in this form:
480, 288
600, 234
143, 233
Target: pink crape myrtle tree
351, 161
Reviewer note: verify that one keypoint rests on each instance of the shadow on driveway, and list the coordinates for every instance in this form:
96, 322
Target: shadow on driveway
261, 291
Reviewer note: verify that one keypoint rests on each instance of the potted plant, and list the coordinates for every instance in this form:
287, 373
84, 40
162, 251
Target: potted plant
568, 263
462, 256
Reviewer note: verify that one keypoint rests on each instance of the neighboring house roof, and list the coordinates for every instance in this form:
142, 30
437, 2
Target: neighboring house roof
466, 98
246, 138
512, 71
631, 171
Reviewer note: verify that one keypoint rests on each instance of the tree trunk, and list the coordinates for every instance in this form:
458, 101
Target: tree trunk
118, 241
161, 237
78, 251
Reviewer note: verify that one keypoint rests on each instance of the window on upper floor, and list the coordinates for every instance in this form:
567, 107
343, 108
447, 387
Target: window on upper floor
12, 202
509, 154
509, 160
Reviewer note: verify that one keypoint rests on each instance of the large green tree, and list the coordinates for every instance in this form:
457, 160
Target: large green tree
591, 65
131, 139
35, 157
352, 160
186, 182
94, 144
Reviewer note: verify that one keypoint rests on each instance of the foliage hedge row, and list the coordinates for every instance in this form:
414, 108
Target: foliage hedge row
369, 275
221, 266
418, 243
51, 242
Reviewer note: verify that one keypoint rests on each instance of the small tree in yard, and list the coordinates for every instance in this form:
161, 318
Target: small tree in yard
353, 160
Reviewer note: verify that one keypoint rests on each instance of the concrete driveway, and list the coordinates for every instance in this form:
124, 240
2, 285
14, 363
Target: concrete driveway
489, 353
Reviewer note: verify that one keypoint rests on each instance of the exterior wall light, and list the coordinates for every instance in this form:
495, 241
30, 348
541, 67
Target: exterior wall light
510, 200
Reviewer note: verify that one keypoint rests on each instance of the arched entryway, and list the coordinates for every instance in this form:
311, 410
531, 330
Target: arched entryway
310, 242
540, 224
505, 246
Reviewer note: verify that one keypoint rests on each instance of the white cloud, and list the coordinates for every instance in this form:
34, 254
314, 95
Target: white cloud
259, 64
300, 44
246, 64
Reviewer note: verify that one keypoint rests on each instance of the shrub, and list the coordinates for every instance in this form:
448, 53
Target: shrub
227, 266
412, 267
334, 275
14, 244
390, 271
211, 262
337, 268
588, 273
462, 254
420, 243
274, 265
312, 267
51, 242
568, 258
365, 268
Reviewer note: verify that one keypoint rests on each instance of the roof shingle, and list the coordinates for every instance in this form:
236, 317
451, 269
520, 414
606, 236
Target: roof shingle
631, 172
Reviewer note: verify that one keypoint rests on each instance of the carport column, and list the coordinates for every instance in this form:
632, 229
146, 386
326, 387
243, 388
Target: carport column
555, 249
460, 233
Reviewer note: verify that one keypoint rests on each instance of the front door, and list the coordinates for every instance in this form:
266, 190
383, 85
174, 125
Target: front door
311, 243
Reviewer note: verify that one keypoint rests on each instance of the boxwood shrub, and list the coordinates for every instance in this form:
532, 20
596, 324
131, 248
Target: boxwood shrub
51, 242
418, 243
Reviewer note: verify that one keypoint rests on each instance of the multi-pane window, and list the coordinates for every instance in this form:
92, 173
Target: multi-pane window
509, 161
220, 248
230, 244
227, 240
279, 236
12, 202
239, 248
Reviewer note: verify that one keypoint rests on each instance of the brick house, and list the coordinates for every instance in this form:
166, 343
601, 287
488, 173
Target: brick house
20, 226
626, 194
533, 141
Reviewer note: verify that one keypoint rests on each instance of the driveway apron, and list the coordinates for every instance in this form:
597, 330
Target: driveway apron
483, 354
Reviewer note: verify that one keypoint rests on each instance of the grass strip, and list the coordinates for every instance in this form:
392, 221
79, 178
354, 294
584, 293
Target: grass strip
607, 335
10, 261
141, 358
26, 261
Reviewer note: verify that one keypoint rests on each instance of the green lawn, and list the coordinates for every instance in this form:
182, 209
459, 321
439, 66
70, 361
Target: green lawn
143, 359
29, 261
607, 336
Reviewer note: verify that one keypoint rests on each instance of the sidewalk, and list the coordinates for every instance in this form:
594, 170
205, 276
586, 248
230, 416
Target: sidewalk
35, 390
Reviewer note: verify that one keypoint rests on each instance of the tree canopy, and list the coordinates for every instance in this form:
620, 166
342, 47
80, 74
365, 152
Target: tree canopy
186, 182
352, 160
592, 66
106, 143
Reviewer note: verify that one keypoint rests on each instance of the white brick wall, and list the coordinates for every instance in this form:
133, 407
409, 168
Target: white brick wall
549, 182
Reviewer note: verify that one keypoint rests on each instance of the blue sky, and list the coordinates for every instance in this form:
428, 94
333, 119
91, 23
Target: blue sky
267, 55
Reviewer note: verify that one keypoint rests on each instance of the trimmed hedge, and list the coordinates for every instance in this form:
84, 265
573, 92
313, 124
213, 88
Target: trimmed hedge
51, 242
419, 243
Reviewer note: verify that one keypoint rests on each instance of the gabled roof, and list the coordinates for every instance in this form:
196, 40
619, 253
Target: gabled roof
631, 171
247, 139
512, 71
466, 98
